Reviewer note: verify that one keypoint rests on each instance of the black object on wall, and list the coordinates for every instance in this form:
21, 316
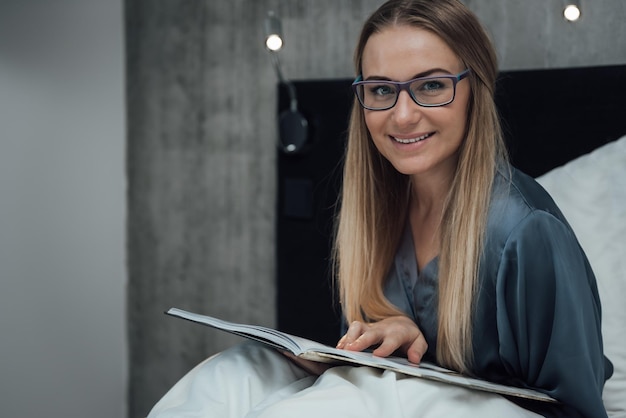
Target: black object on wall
549, 118
308, 186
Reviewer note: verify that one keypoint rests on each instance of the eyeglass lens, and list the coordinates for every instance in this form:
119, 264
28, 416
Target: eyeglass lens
429, 92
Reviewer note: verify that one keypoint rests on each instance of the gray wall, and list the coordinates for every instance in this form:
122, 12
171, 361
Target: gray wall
62, 203
201, 155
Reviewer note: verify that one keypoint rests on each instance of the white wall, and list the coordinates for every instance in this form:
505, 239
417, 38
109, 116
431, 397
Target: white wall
62, 209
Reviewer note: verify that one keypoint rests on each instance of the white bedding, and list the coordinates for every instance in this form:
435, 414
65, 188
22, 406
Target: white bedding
591, 191
267, 385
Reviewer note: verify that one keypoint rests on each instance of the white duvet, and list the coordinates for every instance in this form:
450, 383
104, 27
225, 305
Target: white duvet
253, 381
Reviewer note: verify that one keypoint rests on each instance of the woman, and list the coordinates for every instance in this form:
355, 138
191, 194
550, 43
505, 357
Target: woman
443, 251
498, 273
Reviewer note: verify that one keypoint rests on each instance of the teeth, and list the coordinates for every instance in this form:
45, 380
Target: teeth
412, 140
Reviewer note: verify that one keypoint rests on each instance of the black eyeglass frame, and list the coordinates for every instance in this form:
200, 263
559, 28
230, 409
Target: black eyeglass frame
405, 85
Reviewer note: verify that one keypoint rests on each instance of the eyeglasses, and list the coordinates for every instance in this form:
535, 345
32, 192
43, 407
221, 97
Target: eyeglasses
425, 91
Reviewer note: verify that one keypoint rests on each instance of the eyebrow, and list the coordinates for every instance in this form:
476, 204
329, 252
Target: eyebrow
419, 75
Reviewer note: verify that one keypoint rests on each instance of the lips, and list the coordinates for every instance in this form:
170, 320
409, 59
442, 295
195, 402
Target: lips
413, 140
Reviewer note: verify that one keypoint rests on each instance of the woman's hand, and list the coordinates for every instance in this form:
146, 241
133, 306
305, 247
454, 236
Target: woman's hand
390, 334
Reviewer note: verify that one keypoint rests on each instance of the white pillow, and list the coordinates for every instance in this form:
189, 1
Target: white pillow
591, 192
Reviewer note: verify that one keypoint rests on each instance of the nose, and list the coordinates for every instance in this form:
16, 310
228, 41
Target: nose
406, 111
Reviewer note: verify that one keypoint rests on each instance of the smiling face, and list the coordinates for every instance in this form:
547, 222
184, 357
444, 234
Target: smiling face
416, 140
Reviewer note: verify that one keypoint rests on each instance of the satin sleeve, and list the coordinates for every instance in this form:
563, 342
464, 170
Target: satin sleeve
549, 316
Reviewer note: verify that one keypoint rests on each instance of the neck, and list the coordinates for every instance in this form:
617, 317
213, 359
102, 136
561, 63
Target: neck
425, 216
429, 193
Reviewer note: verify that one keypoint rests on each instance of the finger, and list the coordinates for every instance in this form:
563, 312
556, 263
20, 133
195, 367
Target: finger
367, 339
417, 349
342, 342
350, 335
355, 330
387, 348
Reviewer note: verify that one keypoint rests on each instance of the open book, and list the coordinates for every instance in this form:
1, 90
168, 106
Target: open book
311, 350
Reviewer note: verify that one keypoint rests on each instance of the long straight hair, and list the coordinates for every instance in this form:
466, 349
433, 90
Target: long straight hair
375, 197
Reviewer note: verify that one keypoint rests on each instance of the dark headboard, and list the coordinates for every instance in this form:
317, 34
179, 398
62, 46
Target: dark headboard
549, 118
552, 116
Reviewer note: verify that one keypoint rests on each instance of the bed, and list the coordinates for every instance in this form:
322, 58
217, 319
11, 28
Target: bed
564, 127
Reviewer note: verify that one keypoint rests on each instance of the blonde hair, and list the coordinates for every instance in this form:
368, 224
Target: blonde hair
375, 197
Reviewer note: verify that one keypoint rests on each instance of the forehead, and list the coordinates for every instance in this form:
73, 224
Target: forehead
401, 52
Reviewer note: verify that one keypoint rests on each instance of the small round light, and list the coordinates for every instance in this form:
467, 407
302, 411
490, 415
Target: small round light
274, 42
571, 13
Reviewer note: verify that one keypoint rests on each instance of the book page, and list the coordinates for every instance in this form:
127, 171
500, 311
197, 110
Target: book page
314, 351
264, 335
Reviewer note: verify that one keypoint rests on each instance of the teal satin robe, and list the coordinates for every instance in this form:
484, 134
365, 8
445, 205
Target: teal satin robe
537, 320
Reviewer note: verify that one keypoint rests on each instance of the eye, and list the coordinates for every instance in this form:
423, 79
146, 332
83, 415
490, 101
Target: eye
382, 90
432, 87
